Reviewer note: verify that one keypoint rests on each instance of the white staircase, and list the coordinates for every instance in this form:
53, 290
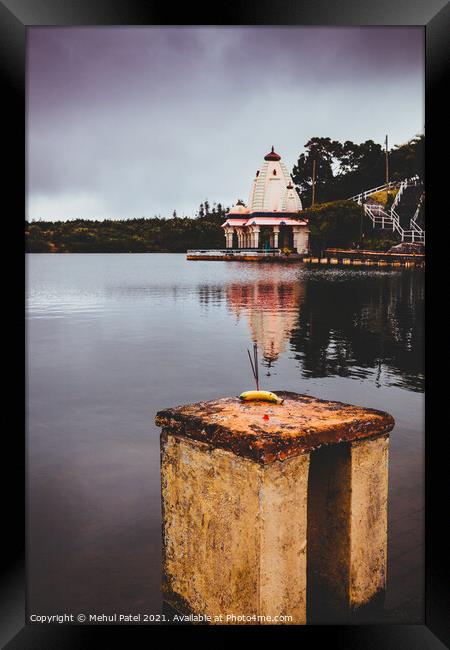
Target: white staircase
359, 198
390, 220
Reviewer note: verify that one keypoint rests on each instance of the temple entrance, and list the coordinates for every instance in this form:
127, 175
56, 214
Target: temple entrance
286, 238
265, 236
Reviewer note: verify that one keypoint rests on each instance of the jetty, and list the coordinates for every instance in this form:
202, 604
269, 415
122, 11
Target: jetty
356, 257
329, 257
244, 255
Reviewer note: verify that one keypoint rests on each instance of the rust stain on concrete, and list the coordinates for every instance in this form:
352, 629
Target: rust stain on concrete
298, 426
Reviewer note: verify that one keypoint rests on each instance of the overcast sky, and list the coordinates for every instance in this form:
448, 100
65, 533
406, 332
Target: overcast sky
130, 122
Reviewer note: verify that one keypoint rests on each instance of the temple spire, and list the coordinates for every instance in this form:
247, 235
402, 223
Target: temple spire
272, 155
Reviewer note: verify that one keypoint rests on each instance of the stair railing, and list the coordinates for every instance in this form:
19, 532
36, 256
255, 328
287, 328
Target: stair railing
364, 195
413, 223
379, 217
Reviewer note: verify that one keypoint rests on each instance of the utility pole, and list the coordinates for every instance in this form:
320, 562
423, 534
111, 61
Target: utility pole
313, 183
387, 172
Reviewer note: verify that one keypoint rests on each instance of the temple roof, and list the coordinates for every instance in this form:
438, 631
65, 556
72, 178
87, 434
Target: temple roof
275, 221
269, 220
272, 193
239, 209
235, 222
272, 188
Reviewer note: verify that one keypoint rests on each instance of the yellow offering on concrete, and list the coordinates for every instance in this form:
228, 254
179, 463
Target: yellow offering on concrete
260, 396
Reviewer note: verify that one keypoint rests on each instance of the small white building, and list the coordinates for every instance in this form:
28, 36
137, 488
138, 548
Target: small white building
272, 218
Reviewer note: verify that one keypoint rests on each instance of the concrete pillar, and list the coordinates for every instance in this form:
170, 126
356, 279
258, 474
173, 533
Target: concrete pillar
276, 232
235, 482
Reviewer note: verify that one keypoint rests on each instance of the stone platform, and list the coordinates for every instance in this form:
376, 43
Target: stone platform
250, 490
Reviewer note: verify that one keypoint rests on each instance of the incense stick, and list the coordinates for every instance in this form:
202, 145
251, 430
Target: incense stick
251, 363
254, 364
255, 352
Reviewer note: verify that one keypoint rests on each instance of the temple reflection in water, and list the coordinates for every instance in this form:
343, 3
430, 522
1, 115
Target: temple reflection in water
336, 324
272, 310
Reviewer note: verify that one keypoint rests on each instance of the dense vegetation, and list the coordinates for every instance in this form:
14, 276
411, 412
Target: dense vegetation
342, 170
346, 169
342, 224
154, 235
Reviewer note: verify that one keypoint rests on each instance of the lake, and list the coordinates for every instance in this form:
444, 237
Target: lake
111, 339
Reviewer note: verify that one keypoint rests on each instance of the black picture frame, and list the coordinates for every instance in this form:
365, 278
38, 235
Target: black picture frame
15, 17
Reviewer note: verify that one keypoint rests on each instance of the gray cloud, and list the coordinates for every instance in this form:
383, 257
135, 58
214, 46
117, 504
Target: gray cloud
129, 122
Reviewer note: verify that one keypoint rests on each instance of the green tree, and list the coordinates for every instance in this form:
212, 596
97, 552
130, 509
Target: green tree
324, 153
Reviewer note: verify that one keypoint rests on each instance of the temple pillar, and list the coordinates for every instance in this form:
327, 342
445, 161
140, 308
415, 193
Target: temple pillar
294, 238
256, 230
301, 239
229, 237
276, 232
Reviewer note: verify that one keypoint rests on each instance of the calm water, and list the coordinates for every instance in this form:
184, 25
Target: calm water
114, 338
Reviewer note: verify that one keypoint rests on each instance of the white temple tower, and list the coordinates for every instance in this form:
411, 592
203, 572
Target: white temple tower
272, 188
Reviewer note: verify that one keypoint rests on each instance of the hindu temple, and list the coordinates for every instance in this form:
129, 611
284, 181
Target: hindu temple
272, 218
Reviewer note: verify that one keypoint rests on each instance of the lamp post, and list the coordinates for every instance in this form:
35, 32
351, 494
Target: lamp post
387, 171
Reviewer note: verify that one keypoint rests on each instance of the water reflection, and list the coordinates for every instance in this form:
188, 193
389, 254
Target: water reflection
272, 311
344, 324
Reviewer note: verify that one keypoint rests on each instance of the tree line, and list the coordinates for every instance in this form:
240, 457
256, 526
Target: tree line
142, 235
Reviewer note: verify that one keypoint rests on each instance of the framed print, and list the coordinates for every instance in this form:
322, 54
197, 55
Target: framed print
225, 366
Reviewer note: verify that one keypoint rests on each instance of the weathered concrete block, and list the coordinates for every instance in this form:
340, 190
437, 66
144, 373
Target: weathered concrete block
234, 531
235, 501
